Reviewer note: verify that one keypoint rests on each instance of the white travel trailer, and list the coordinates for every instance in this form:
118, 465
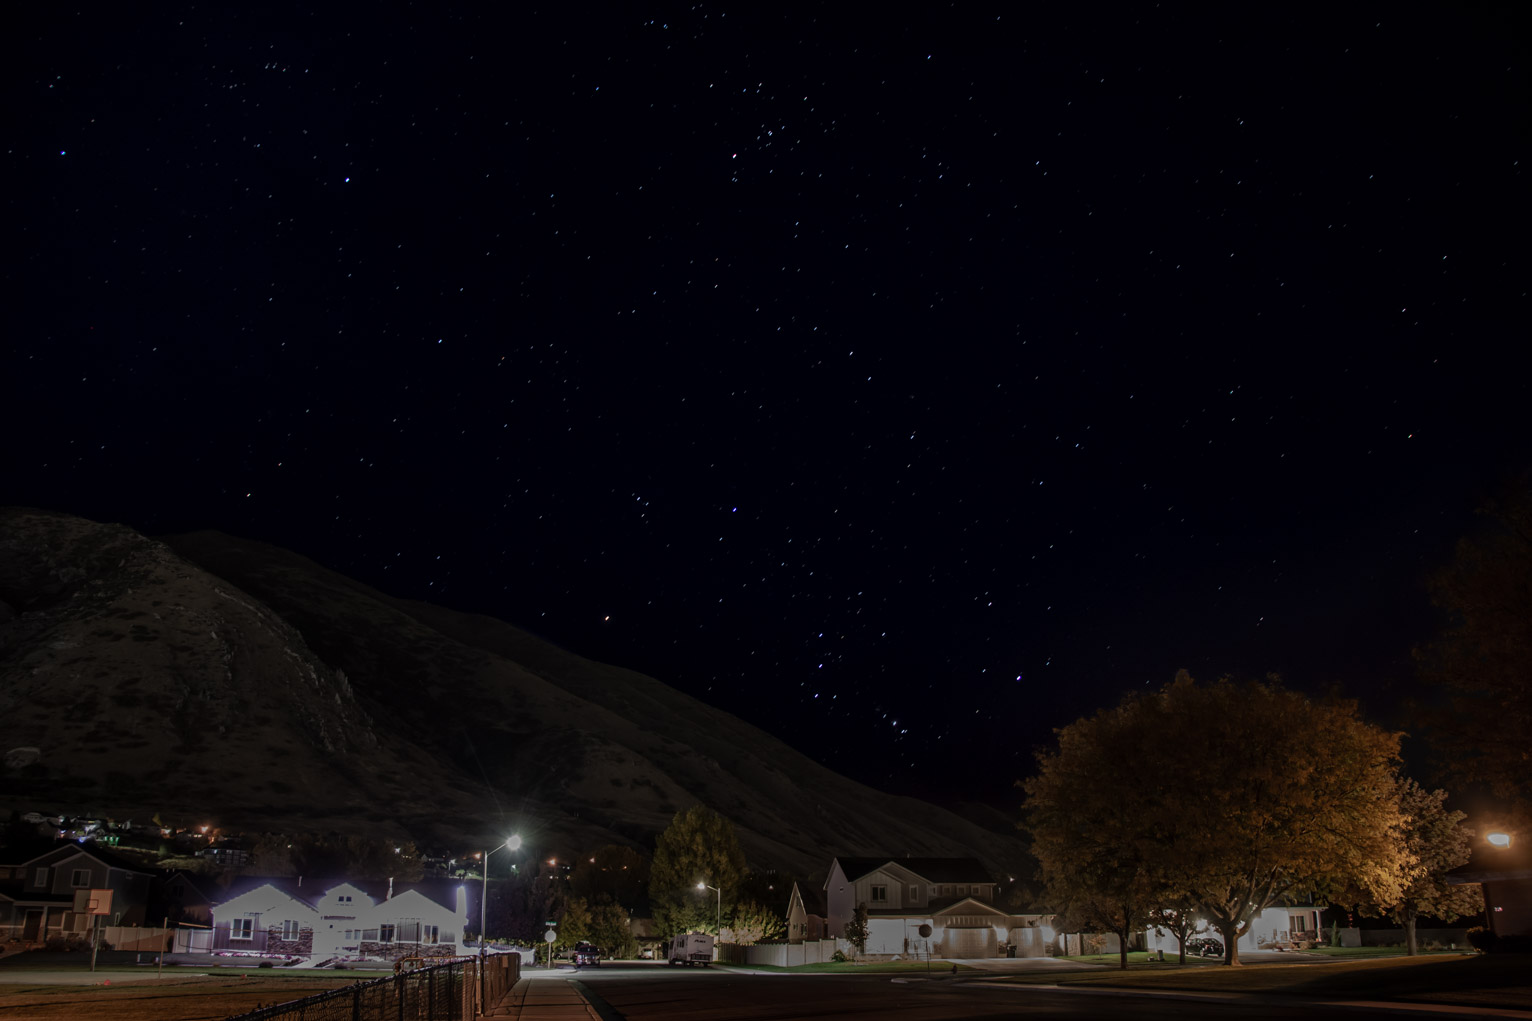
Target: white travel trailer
691, 948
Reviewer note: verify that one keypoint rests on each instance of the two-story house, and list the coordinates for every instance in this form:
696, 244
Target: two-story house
944, 907
39, 896
383, 919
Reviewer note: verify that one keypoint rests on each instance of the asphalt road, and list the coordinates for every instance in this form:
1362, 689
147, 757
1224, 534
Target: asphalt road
666, 994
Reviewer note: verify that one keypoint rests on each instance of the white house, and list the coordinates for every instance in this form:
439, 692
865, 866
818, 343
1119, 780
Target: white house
385, 920
1277, 927
952, 897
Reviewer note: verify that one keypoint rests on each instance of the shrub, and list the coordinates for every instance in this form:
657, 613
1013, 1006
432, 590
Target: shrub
68, 943
267, 964
839, 958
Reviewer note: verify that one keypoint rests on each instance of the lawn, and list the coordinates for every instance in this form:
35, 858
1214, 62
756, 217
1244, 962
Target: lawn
853, 968
1494, 980
182, 995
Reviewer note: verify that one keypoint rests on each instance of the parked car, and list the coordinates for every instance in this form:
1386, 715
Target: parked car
1204, 946
586, 953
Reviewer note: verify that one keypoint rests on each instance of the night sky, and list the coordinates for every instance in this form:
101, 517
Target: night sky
908, 384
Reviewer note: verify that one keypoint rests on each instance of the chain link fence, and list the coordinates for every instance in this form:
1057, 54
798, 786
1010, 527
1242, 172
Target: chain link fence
444, 992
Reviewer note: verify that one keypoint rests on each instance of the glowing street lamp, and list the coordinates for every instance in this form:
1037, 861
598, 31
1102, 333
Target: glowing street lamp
511, 843
718, 913
1499, 839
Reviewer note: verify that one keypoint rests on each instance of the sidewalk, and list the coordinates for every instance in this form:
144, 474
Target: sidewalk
545, 998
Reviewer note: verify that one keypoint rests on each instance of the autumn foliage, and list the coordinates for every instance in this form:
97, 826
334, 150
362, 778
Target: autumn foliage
1225, 796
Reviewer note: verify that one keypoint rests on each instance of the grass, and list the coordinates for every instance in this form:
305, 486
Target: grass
1495, 980
176, 997
853, 968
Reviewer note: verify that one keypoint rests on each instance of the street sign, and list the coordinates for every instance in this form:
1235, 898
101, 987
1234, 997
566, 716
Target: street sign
550, 936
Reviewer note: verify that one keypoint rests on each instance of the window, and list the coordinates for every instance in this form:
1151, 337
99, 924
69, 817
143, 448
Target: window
386, 933
242, 928
914, 892
40, 877
79, 879
428, 934
344, 898
880, 895
289, 929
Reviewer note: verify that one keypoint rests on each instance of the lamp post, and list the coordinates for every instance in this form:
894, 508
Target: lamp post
511, 843
718, 913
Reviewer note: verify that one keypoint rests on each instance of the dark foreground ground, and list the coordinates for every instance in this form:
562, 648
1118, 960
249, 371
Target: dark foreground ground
64, 988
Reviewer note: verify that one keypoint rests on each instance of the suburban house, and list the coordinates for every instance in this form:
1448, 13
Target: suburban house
1279, 927
1502, 865
384, 919
953, 897
188, 897
37, 897
806, 914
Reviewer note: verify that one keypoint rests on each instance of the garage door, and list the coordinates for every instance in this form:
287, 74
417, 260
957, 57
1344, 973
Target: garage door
975, 942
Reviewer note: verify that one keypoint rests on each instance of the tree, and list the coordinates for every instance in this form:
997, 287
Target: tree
1213, 795
612, 930
1179, 918
1095, 855
753, 921
699, 846
576, 923
271, 856
1482, 661
856, 929
1439, 842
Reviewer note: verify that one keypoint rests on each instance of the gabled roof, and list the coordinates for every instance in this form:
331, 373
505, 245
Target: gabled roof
264, 898
206, 886
442, 892
932, 870
64, 852
811, 897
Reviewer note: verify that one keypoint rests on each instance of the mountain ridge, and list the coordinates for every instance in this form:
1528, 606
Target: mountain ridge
448, 725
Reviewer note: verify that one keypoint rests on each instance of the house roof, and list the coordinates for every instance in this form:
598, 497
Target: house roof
811, 897
65, 851
944, 906
932, 870
206, 886
308, 891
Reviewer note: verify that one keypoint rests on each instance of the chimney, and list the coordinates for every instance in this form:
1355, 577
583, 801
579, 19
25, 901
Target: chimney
390, 889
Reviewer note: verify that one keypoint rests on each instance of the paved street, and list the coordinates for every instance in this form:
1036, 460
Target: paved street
658, 993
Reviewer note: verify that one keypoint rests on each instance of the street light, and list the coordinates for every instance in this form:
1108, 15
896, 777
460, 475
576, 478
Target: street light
511, 843
718, 914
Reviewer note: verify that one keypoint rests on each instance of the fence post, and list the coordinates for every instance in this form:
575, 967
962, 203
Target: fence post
356, 1002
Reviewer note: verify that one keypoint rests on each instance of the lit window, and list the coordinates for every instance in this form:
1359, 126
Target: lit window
386, 933
428, 934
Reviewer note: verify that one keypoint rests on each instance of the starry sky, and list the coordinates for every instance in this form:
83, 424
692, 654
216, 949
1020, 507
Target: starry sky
908, 384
